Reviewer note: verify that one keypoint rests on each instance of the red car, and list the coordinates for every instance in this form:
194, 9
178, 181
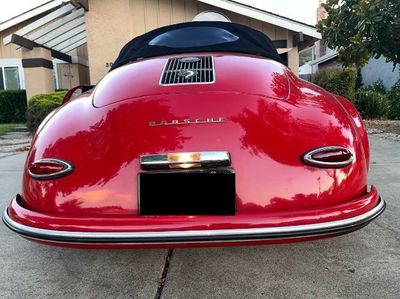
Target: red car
198, 136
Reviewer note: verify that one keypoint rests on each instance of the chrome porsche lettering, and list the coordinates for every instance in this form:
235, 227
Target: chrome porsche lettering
186, 121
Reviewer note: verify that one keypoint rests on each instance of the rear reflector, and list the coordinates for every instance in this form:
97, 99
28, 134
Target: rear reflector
47, 169
329, 157
185, 160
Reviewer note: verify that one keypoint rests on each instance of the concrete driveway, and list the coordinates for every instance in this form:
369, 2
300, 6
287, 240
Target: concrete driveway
364, 264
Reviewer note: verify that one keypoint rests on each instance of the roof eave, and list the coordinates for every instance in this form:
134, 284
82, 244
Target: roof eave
30, 14
264, 16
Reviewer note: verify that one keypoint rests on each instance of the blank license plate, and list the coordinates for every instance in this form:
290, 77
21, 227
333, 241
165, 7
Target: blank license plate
200, 192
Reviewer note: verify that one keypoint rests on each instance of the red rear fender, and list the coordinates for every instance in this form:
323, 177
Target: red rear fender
264, 128
265, 138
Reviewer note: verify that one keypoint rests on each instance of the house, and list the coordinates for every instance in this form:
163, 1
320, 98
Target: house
26, 65
374, 70
325, 58
62, 44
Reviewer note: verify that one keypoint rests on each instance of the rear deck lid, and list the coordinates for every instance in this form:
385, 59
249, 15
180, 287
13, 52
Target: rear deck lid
194, 74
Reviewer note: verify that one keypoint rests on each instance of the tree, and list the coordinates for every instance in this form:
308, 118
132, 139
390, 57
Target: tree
362, 29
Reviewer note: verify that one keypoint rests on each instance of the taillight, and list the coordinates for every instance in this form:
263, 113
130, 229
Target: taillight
328, 157
47, 169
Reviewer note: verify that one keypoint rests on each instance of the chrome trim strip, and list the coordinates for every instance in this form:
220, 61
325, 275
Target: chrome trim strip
68, 168
307, 157
195, 236
211, 158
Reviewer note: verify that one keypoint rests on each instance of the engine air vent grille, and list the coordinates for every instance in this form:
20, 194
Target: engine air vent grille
188, 70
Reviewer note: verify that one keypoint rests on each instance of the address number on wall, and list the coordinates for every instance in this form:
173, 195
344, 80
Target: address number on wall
109, 64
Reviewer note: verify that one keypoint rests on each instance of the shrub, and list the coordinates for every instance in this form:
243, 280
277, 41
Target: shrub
338, 81
12, 106
377, 86
393, 97
39, 106
371, 104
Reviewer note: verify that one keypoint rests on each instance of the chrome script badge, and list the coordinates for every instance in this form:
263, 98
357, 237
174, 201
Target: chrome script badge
187, 74
186, 121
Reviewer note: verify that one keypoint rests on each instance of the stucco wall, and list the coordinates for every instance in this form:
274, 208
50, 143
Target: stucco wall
111, 24
37, 79
10, 51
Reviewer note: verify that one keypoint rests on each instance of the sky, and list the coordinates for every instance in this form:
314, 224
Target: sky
301, 10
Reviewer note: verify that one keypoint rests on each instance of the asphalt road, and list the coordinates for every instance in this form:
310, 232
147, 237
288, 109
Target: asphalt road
364, 264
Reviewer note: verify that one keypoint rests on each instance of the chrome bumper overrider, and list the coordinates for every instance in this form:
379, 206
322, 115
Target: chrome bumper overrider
197, 236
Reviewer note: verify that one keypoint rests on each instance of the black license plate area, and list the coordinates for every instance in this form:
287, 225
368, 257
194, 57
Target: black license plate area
205, 192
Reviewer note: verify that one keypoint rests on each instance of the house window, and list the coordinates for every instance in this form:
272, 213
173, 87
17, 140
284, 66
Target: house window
9, 77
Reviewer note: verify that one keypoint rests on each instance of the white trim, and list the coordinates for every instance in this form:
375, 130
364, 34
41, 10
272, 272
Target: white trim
324, 58
74, 46
55, 71
13, 62
44, 20
29, 14
67, 38
54, 25
264, 16
60, 31
283, 50
69, 41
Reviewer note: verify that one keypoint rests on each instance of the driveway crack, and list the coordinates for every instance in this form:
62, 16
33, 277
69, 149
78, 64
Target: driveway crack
164, 274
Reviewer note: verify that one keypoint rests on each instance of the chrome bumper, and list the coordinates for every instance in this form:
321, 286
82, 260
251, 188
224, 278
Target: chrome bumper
197, 236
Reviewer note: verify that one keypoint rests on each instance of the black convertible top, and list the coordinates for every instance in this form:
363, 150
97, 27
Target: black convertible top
197, 37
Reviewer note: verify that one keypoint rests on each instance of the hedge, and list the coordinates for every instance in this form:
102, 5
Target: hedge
370, 103
338, 81
393, 97
39, 106
12, 106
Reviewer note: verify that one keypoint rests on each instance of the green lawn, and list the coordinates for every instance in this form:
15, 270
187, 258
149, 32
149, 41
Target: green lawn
5, 128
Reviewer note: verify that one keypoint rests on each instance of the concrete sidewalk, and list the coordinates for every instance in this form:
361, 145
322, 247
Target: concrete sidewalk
364, 264
18, 140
